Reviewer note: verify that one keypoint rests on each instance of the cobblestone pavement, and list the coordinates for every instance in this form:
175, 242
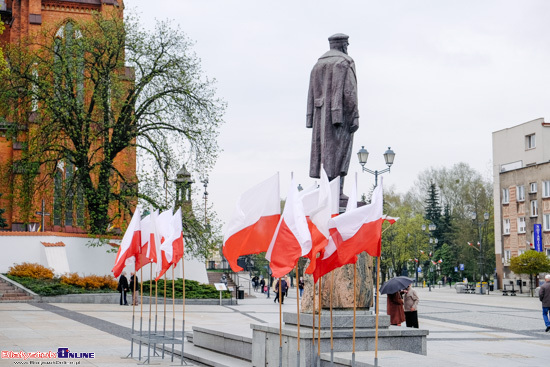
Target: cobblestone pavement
477, 330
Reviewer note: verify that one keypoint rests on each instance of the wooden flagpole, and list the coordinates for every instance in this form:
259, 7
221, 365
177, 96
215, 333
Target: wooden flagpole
150, 309
140, 307
183, 311
377, 308
173, 312
164, 323
298, 314
319, 326
354, 310
280, 324
331, 335
133, 321
313, 321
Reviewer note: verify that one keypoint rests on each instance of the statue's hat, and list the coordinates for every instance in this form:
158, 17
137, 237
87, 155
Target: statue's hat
338, 37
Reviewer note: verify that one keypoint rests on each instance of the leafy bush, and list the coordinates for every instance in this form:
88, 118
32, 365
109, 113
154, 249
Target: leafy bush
193, 289
90, 281
31, 270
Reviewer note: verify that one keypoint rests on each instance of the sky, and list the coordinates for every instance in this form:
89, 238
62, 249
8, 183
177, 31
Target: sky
435, 79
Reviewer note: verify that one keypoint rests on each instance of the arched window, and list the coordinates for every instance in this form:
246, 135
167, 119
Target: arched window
69, 61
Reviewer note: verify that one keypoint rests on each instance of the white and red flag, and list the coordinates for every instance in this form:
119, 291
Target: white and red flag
292, 238
254, 221
360, 229
130, 244
329, 259
172, 247
318, 208
163, 226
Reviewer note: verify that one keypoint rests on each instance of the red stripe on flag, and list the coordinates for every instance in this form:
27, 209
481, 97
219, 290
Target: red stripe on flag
250, 240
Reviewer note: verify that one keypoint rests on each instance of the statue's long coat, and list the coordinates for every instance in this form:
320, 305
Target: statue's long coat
332, 113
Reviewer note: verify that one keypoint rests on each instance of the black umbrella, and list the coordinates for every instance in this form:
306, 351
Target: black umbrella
395, 285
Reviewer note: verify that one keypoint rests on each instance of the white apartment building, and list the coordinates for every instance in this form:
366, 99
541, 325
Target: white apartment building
521, 191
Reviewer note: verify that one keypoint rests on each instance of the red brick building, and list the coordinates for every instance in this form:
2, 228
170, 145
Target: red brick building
23, 18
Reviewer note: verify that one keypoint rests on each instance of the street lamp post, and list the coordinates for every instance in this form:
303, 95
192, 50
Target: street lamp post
431, 228
389, 156
416, 260
481, 257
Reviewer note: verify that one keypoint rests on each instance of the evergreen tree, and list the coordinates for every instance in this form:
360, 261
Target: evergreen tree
433, 212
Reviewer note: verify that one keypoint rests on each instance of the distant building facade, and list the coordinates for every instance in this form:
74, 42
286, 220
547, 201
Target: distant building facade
521, 191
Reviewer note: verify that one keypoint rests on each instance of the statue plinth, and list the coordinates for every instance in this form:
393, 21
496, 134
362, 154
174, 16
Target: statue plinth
342, 289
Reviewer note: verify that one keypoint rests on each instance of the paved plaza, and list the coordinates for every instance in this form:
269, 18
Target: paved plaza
465, 329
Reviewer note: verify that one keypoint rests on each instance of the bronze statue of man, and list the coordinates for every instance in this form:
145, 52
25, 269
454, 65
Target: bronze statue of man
332, 110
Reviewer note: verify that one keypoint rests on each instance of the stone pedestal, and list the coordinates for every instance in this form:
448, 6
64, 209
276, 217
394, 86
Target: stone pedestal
342, 297
265, 338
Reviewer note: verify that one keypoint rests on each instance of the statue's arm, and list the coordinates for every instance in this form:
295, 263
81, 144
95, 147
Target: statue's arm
310, 105
339, 73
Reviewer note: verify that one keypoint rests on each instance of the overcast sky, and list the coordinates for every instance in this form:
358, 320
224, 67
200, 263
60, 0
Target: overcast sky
435, 79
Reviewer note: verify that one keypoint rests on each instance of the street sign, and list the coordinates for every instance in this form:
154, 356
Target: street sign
537, 234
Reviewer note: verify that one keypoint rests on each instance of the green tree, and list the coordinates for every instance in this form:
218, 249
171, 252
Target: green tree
532, 263
2, 60
103, 87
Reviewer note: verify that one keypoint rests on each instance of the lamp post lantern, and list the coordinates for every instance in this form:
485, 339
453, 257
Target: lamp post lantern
389, 156
363, 155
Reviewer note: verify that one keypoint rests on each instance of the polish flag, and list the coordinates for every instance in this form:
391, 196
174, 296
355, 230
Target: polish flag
172, 247
318, 208
292, 238
329, 259
360, 229
254, 221
130, 245
440, 261
415, 260
470, 244
163, 226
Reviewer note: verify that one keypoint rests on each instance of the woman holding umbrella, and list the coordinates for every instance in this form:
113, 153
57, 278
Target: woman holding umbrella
392, 288
395, 309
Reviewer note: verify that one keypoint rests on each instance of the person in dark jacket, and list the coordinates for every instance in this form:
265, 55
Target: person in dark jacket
284, 288
262, 285
544, 296
134, 282
123, 288
395, 309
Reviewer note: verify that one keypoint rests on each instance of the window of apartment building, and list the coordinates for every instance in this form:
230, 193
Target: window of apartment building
546, 222
507, 256
534, 208
548, 252
520, 193
520, 252
506, 195
530, 142
545, 189
521, 225
533, 187
506, 226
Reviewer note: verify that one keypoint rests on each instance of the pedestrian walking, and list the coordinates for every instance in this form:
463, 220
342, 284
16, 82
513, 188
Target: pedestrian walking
410, 304
544, 296
395, 308
284, 288
262, 284
123, 288
134, 288
301, 286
